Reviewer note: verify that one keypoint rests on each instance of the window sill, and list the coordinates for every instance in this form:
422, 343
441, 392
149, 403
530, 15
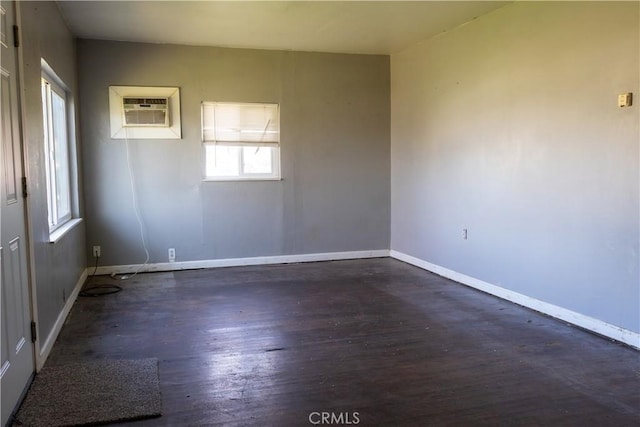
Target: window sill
60, 232
234, 179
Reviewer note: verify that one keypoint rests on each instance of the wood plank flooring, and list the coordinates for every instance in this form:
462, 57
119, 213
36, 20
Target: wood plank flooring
274, 345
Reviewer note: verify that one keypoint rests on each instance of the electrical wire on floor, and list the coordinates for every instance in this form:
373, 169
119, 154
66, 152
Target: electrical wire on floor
98, 289
136, 210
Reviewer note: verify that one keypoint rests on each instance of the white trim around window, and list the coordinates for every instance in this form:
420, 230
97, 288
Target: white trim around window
58, 149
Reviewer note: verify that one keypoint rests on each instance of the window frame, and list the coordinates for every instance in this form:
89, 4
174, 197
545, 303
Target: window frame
51, 84
275, 175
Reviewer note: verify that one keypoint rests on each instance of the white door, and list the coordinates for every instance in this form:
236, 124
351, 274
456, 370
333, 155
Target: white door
16, 347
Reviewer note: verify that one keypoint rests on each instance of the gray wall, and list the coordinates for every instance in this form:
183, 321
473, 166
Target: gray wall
57, 266
509, 126
335, 126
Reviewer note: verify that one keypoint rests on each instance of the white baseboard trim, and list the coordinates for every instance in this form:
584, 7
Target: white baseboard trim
45, 348
592, 324
237, 262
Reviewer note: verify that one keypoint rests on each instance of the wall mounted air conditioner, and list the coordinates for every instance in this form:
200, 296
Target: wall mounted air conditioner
145, 111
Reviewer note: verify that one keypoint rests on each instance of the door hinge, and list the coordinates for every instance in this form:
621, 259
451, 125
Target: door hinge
16, 36
24, 187
34, 332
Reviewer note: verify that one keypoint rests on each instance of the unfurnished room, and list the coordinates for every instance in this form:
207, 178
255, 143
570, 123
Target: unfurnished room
289, 213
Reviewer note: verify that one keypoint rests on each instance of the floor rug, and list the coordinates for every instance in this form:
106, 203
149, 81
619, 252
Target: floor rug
92, 393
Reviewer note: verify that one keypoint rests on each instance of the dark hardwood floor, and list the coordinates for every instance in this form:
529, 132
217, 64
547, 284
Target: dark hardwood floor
270, 345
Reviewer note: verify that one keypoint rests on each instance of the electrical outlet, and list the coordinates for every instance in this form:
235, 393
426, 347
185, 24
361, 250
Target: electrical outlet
96, 252
625, 99
172, 254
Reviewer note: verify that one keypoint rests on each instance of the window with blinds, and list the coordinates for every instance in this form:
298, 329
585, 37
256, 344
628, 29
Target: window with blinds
241, 141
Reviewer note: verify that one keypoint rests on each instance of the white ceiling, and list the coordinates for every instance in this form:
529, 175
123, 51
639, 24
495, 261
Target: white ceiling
378, 27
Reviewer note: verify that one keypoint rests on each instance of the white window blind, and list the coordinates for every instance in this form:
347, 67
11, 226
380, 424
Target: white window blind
229, 123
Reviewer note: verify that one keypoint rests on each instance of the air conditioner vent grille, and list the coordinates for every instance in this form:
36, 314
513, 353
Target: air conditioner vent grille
145, 101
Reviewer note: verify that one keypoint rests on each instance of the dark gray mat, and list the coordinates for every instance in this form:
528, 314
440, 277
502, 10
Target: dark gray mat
92, 393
